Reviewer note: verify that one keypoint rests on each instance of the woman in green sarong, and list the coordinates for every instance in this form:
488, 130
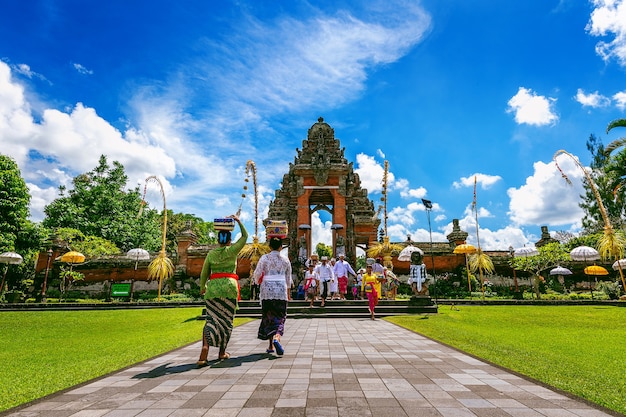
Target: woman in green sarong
219, 285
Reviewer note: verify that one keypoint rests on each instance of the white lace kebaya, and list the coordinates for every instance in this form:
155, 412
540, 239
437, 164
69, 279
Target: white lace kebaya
276, 272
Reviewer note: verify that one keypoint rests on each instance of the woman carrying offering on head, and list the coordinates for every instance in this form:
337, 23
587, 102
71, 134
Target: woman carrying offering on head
273, 273
219, 285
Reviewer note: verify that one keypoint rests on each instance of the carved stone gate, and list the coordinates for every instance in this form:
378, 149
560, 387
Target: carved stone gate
320, 178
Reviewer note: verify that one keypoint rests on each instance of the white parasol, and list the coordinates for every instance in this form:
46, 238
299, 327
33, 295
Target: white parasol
525, 252
584, 253
9, 258
138, 254
559, 270
621, 264
405, 254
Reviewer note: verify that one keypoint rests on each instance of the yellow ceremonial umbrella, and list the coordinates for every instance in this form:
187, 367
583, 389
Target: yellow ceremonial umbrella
72, 257
466, 249
596, 270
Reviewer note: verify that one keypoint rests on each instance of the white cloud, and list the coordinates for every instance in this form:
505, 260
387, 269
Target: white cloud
609, 19
82, 70
484, 180
546, 198
289, 64
620, 100
592, 99
371, 173
532, 109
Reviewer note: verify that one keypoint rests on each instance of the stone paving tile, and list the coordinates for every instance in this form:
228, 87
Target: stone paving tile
331, 368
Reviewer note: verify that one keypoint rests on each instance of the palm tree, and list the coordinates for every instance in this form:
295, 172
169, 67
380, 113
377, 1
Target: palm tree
619, 170
611, 244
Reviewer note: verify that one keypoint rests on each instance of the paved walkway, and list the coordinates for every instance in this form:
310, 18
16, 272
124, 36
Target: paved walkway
331, 367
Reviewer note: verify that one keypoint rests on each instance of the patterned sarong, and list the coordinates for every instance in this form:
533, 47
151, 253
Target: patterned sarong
343, 284
274, 313
219, 321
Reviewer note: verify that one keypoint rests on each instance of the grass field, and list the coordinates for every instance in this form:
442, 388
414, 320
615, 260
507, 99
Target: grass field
44, 352
579, 349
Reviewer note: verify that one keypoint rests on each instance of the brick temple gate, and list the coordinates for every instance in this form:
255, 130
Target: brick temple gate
320, 178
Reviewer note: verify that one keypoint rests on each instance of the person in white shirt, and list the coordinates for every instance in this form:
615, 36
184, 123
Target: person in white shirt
326, 276
311, 284
341, 270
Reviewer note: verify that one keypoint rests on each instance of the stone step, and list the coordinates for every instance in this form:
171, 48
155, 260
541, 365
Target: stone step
342, 309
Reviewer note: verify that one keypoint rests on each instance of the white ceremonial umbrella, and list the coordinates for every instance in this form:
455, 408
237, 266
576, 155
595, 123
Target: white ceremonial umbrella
9, 258
138, 254
584, 253
619, 264
525, 252
559, 270
405, 254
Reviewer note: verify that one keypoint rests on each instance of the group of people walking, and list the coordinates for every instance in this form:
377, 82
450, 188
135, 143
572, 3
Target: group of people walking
220, 287
326, 279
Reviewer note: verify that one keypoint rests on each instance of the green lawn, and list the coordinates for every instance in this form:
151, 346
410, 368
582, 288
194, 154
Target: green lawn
44, 352
579, 349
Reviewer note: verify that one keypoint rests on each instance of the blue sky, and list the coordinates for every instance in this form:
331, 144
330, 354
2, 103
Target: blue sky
446, 91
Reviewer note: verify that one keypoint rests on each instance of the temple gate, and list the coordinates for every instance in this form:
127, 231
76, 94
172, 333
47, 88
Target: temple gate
320, 178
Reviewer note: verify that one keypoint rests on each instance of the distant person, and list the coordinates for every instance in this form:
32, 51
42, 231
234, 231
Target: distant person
311, 284
356, 289
218, 284
370, 286
342, 269
333, 287
326, 276
273, 273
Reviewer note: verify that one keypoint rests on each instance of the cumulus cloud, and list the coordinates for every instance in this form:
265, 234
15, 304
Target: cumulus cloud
532, 109
371, 173
592, 99
546, 198
620, 100
485, 181
608, 19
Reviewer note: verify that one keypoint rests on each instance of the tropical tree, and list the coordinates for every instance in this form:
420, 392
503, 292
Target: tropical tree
323, 249
14, 200
605, 173
178, 223
613, 241
550, 256
17, 233
74, 239
100, 205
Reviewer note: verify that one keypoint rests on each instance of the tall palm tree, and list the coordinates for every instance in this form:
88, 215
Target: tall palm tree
612, 243
618, 170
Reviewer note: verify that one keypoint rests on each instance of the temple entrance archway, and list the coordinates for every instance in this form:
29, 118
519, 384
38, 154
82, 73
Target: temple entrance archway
320, 178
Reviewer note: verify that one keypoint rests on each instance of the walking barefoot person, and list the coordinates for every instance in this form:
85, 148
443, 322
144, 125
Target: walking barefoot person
273, 273
218, 284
